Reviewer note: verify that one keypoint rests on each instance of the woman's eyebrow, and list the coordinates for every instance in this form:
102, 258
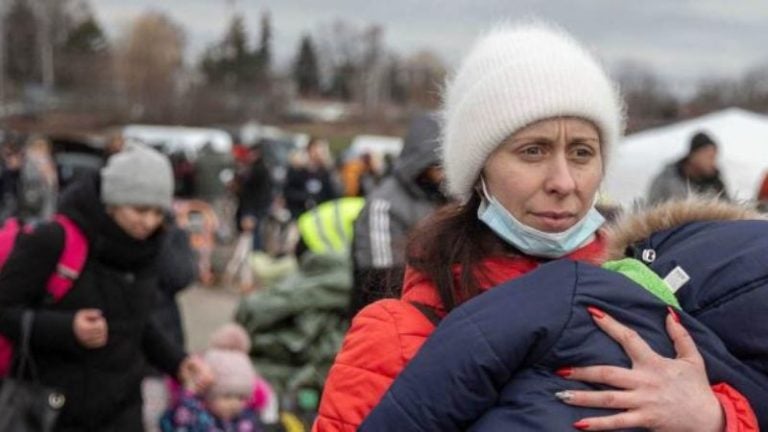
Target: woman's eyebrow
585, 139
541, 138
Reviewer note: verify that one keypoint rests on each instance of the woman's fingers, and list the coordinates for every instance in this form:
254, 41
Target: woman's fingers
657, 393
634, 345
625, 420
609, 375
609, 399
682, 340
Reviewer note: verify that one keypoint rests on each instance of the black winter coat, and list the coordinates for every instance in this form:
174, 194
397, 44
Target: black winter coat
102, 386
306, 188
254, 195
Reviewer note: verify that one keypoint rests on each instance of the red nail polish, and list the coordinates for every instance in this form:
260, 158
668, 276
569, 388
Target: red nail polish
581, 425
564, 372
595, 312
674, 314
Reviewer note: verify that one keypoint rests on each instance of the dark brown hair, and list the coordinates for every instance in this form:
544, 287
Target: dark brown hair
454, 236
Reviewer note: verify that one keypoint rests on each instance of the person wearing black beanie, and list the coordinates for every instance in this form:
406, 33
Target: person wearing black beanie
694, 174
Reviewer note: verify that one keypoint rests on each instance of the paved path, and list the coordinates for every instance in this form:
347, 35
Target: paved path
203, 311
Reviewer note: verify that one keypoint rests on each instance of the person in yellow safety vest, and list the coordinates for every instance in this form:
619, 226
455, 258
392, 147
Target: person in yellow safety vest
329, 227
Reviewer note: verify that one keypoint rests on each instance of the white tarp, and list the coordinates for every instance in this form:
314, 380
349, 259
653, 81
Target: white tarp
742, 138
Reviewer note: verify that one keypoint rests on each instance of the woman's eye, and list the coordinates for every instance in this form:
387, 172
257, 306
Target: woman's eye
532, 151
583, 153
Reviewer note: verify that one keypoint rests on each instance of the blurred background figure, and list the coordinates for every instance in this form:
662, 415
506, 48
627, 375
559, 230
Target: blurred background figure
183, 174
213, 172
115, 144
392, 210
762, 195
695, 174
328, 227
10, 171
253, 190
39, 182
360, 175
311, 181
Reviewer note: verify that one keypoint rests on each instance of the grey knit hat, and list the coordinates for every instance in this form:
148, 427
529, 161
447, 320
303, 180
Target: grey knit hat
138, 175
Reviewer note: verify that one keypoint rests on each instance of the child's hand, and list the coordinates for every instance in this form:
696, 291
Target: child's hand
195, 374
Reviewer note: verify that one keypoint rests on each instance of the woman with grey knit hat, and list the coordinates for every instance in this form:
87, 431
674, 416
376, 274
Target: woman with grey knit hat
92, 343
529, 122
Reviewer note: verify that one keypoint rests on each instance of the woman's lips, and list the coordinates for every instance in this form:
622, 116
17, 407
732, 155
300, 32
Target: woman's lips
554, 221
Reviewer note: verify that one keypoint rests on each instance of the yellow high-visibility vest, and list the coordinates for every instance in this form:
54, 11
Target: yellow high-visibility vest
329, 226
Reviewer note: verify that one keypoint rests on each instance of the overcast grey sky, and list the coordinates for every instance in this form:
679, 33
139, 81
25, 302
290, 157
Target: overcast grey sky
681, 40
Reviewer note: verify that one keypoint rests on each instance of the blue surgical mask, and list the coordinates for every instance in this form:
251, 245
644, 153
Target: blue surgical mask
532, 241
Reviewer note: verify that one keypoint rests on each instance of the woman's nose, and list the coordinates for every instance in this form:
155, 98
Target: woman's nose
560, 179
150, 220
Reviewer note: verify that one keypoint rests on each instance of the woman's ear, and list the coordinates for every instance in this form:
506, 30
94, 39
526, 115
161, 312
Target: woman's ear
481, 187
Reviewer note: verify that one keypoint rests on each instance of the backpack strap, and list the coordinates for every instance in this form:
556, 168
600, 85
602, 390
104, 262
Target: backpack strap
428, 312
71, 261
8, 232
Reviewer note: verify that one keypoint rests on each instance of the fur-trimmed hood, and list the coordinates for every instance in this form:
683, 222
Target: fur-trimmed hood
639, 225
714, 257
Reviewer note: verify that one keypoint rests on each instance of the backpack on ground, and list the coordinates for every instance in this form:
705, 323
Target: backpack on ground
68, 268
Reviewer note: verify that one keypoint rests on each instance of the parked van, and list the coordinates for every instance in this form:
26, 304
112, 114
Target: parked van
176, 139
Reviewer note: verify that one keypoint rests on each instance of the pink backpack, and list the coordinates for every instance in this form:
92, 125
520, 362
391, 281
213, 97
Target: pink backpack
71, 263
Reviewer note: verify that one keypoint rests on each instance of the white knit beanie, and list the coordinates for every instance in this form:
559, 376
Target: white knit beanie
514, 76
138, 175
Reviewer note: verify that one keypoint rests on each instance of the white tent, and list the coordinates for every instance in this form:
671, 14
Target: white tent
742, 138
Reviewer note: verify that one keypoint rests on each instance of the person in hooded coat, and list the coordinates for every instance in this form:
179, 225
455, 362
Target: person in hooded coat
94, 342
391, 211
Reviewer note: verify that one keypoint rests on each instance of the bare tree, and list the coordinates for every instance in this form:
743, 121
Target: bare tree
649, 100
305, 70
424, 76
340, 54
20, 36
149, 62
37, 40
753, 89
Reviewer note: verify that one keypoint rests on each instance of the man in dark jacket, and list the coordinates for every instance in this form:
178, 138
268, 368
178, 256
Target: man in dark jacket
391, 210
696, 173
254, 195
312, 183
94, 342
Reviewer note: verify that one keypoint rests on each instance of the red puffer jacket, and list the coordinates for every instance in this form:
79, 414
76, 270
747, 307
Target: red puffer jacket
387, 334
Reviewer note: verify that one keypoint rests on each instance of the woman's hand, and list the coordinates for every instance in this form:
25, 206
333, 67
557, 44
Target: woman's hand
660, 394
196, 374
90, 328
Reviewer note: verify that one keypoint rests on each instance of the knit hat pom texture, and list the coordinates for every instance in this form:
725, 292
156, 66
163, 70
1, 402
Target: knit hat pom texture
228, 358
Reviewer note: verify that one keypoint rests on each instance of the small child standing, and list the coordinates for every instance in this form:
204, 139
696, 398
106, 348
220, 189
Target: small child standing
225, 405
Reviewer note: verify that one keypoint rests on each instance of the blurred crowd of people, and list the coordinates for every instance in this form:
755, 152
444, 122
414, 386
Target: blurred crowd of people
297, 229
